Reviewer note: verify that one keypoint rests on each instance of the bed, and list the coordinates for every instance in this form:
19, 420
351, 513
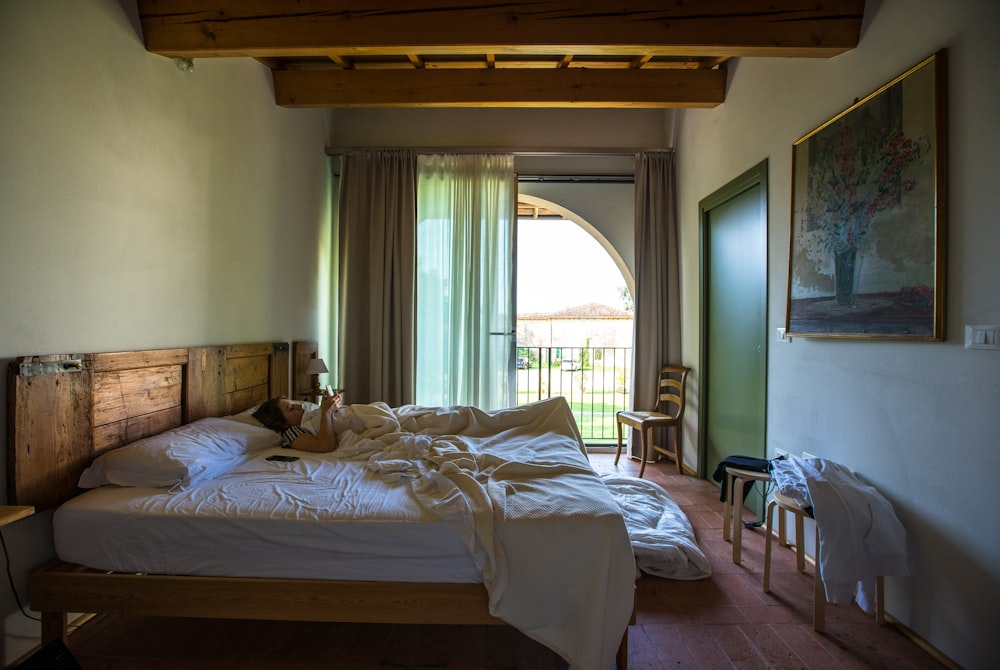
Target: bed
67, 411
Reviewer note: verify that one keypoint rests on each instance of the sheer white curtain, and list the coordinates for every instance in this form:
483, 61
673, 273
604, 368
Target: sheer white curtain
657, 279
465, 303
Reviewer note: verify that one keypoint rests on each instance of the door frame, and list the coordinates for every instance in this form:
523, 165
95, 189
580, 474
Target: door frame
754, 177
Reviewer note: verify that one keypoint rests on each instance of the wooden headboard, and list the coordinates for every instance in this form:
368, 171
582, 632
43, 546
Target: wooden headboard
65, 409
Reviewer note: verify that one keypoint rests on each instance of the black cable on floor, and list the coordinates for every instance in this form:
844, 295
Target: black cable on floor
768, 486
10, 578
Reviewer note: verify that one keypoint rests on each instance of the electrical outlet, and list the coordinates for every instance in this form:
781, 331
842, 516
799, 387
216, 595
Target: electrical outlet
782, 337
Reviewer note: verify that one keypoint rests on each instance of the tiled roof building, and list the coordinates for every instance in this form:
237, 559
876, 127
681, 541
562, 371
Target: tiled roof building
592, 325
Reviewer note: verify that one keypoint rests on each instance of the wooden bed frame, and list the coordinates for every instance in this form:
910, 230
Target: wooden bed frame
64, 410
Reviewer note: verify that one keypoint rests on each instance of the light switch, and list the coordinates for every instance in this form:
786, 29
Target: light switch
982, 337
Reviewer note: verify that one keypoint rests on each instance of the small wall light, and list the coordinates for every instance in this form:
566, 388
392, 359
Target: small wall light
185, 65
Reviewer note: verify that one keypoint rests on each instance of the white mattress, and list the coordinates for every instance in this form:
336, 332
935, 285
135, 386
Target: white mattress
318, 518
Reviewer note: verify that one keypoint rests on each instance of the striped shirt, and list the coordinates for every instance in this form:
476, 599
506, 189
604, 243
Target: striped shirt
290, 435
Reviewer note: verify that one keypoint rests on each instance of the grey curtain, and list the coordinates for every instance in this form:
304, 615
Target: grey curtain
375, 288
657, 277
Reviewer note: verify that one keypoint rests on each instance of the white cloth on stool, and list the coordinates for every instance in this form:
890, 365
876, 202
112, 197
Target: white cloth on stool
860, 535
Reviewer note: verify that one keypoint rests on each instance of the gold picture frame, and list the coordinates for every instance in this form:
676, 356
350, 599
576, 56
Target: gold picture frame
867, 243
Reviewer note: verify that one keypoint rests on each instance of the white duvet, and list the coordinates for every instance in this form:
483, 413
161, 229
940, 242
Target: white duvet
516, 485
661, 534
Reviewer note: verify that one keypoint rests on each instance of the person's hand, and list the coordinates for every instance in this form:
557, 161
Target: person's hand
330, 400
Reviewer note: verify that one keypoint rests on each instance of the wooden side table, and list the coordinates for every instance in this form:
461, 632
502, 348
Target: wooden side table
11, 513
732, 513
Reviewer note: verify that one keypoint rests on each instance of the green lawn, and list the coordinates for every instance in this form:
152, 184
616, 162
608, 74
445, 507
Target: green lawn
594, 412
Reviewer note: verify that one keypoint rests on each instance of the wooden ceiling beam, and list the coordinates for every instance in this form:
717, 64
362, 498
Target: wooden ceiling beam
571, 87
339, 60
726, 28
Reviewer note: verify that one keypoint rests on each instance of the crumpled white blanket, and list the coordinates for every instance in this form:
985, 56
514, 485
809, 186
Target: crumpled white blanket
860, 536
661, 534
545, 531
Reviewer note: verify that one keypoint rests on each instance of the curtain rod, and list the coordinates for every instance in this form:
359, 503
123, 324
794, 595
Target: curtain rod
577, 178
547, 152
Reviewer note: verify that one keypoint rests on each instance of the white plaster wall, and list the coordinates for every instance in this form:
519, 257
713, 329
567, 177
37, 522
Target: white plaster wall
144, 206
141, 207
917, 420
608, 208
514, 128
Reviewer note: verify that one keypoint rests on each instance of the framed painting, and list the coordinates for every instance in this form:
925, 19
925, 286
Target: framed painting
867, 246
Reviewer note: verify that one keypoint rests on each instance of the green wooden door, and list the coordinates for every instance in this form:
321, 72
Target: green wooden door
734, 344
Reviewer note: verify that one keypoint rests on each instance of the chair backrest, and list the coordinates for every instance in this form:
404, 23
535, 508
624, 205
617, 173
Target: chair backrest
671, 390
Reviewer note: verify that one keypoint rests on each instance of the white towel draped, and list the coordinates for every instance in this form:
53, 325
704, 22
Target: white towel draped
860, 536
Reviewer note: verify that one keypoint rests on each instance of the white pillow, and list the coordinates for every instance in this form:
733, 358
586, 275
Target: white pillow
247, 417
181, 457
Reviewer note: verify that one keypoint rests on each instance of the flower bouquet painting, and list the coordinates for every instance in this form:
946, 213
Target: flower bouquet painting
867, 240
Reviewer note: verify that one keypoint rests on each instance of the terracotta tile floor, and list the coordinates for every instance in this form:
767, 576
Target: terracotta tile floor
725, 621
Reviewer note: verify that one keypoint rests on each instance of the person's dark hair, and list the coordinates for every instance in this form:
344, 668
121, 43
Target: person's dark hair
269, 413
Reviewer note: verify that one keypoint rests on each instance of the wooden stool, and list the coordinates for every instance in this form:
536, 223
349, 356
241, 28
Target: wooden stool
732, 515
786, 504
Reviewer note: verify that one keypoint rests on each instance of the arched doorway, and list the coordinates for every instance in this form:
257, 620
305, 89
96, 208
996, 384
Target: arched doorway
536, 208
574, 316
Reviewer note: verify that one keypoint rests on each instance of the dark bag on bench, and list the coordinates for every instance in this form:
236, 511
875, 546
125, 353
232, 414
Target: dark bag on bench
743, 463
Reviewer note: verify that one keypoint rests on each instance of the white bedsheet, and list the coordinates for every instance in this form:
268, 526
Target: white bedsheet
316, 518
512, 489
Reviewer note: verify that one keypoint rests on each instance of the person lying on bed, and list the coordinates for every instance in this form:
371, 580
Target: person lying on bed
301, 428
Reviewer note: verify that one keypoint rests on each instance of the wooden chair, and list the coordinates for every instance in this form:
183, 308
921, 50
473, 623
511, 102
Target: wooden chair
669, 413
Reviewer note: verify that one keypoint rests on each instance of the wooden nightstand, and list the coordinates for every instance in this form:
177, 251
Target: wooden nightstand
12, 513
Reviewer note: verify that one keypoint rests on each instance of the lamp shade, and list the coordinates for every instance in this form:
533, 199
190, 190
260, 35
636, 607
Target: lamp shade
316, 367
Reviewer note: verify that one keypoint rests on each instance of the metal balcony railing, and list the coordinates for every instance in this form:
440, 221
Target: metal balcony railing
594, 380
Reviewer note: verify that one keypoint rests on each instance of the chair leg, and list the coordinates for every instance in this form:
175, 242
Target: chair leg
737, 520
782, 528
819, 594
767, 545
677, 450
618, 454
642, 453
727, 509
800, 543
